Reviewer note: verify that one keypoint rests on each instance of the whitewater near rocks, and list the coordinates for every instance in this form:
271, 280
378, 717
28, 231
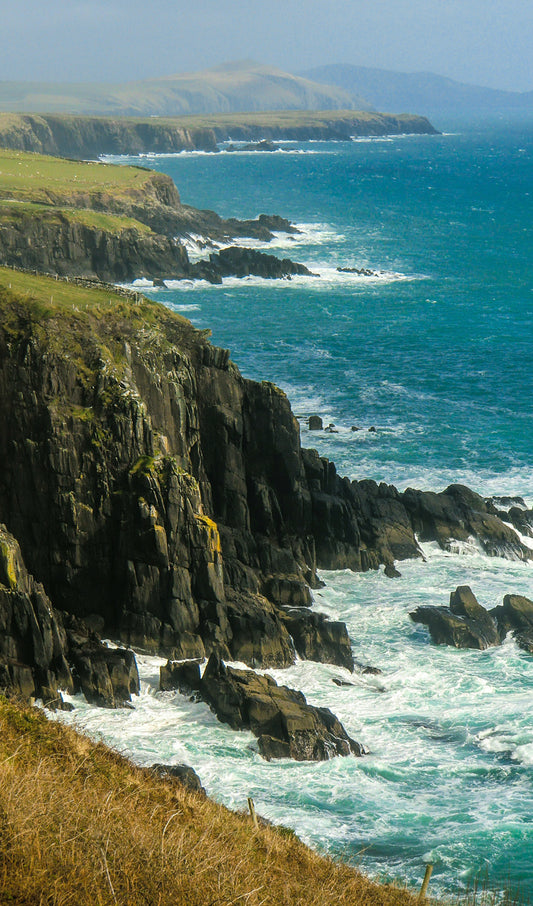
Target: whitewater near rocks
436, 354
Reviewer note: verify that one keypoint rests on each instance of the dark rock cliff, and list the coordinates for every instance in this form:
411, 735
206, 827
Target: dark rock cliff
162, 497
55, 243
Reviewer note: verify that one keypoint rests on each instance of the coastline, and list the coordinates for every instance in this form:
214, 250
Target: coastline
373, 578
89, 137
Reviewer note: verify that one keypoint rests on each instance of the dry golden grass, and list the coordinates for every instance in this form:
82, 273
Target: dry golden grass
82, 826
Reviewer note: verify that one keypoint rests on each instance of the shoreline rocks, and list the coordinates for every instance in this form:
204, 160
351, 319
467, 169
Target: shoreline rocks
466, 624
284, 724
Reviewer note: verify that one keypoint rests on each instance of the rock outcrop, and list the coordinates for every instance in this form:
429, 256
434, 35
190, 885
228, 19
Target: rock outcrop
235, 261
516, 616
466, 624
285, 725
55, 242
460, 515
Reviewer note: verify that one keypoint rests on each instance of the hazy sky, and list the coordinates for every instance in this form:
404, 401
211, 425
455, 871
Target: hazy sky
479, 41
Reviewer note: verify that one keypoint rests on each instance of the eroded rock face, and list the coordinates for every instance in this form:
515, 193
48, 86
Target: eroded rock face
156, 491
318, 639
286, 726
516, 615
41, 653
460, 515
54, 243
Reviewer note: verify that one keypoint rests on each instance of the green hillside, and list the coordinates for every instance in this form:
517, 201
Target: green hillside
223, 89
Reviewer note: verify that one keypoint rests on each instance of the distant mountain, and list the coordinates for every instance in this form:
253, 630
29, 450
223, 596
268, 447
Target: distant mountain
421, 92
230, 88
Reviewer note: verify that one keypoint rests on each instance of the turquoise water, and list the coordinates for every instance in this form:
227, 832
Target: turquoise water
436, 353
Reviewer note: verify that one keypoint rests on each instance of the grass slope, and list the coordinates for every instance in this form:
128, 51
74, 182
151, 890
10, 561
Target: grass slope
42, 179
81, 824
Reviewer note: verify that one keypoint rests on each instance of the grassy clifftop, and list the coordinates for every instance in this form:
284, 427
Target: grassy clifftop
85, 136
81, 824
81, 218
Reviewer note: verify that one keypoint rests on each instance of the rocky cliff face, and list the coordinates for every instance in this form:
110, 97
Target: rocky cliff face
163, 498
55, 243
90, 136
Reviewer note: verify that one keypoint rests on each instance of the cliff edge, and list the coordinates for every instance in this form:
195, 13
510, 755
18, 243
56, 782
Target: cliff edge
166, 500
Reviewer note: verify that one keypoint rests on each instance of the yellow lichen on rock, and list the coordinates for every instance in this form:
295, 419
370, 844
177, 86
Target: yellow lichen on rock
213, 535
8, 560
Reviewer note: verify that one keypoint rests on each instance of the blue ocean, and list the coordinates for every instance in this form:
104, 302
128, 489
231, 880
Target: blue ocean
433, 349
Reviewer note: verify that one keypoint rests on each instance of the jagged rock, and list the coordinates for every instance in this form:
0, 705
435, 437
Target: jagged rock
156, 491
318, 639
236, 261
33, 645
507, 502
286, 726
182, 675
38, 646
465, 624
360, 271
315, 423
182, 773
520, 518
459, 514
108, 677
516, 615
391, 572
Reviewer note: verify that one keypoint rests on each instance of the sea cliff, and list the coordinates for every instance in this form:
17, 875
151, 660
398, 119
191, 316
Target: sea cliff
89, 136
165, 500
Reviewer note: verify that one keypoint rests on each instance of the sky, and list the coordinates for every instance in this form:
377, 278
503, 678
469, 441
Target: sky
482, 42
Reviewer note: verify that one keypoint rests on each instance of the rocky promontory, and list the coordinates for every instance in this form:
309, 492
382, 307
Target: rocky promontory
85, 137
111, 223
165, 501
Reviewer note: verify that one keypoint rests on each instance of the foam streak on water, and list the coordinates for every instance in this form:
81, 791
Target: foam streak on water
436, 353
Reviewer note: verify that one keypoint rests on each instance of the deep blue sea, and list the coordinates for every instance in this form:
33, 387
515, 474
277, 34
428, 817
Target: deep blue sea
435, 351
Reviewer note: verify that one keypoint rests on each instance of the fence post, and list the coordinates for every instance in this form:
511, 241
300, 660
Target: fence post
251, 807
425, 882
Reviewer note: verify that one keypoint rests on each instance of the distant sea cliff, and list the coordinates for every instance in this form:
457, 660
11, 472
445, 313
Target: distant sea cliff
89, 137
